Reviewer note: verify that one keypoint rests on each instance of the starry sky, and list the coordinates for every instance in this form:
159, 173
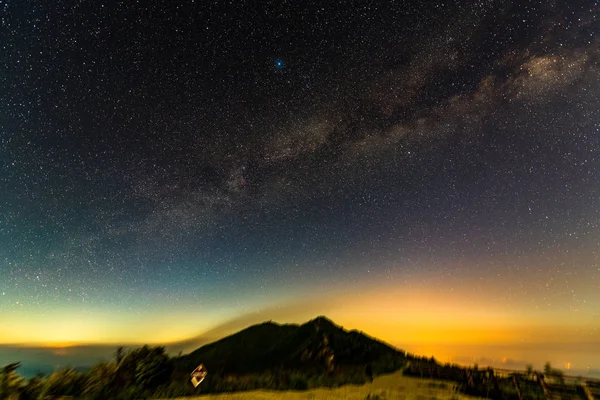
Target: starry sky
427, 172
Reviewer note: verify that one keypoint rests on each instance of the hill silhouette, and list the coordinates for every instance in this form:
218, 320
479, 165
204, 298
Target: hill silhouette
318, 346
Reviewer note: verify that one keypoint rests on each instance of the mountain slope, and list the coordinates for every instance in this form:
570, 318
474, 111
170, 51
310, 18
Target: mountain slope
318, 345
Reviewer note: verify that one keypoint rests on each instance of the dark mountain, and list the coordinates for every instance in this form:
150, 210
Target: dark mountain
318, 346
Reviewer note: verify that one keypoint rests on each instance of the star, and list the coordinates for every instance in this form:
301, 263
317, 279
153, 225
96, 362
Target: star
154, 160
279, 64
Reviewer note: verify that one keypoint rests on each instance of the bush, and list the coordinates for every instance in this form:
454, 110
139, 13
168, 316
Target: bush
65, 382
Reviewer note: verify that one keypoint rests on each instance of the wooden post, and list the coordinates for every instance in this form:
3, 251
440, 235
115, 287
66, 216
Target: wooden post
587, 391
517, 387
540, 379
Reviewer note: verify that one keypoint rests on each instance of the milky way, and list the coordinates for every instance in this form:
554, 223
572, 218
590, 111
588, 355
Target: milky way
163, 160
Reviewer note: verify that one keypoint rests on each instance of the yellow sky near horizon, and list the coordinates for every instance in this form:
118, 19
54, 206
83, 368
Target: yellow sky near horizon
394, 314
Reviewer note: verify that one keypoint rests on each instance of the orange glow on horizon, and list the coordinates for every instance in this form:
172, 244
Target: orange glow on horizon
394, 314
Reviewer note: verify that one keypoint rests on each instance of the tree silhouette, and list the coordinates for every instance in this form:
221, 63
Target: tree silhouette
145, 368
529, 368
554, 373
547, 368
10, 382
64, 382
101, 382
33, 388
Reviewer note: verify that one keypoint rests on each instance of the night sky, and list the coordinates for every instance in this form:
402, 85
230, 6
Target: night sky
423, 171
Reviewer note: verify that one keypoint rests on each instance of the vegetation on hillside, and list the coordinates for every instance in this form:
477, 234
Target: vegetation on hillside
267, 356
318, 354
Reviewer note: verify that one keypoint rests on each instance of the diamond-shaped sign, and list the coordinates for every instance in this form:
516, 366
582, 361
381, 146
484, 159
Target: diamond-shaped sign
198, 375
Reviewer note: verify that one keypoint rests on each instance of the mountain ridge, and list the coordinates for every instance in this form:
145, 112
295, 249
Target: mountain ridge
318, 346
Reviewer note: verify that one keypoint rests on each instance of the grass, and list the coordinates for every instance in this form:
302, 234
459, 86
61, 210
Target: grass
387, 387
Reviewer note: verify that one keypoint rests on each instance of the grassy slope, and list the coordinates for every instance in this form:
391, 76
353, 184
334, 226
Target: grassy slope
388, 387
